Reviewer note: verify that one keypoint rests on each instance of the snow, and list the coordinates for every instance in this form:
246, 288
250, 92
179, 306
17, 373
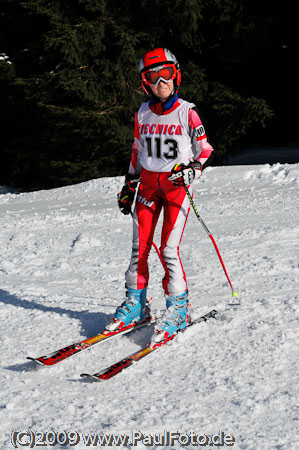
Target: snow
64, 253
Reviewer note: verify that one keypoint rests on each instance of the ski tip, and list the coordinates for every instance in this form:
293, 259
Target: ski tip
213, 314
35, 360
90, 377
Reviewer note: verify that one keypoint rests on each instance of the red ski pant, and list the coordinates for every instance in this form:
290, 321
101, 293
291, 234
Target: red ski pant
157, 192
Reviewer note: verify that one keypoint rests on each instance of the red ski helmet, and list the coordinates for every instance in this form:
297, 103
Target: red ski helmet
159, 64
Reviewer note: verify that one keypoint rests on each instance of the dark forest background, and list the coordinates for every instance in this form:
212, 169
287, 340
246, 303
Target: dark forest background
69, 84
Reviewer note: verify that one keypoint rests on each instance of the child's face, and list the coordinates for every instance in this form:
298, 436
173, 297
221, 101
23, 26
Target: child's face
163, 90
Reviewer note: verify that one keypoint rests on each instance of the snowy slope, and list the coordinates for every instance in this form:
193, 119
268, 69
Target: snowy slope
63, 257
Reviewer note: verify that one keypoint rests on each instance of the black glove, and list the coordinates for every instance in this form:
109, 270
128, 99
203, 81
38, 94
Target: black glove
127, 194
184, 175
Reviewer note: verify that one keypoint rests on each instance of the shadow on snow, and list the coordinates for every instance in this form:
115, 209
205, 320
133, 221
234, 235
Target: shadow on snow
91, 323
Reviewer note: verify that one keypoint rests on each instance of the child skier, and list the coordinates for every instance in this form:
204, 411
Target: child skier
169, 149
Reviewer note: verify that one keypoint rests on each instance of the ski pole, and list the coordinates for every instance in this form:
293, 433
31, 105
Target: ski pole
234, 293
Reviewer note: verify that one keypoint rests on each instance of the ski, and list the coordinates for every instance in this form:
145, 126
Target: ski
66, 352
116, 368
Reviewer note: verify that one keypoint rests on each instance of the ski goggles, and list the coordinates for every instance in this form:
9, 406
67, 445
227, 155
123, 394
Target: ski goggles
154, 75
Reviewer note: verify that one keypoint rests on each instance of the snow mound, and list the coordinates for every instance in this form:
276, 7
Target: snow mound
278, 173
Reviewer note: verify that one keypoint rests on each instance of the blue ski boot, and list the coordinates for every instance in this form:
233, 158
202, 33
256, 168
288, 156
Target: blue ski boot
131, 311
175, 318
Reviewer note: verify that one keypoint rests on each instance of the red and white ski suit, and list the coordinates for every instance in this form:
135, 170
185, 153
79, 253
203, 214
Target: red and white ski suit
163, 138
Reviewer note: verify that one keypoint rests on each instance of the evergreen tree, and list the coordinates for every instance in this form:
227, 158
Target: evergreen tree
72, 89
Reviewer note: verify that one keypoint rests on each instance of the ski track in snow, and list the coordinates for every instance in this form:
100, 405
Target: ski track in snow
63, 257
